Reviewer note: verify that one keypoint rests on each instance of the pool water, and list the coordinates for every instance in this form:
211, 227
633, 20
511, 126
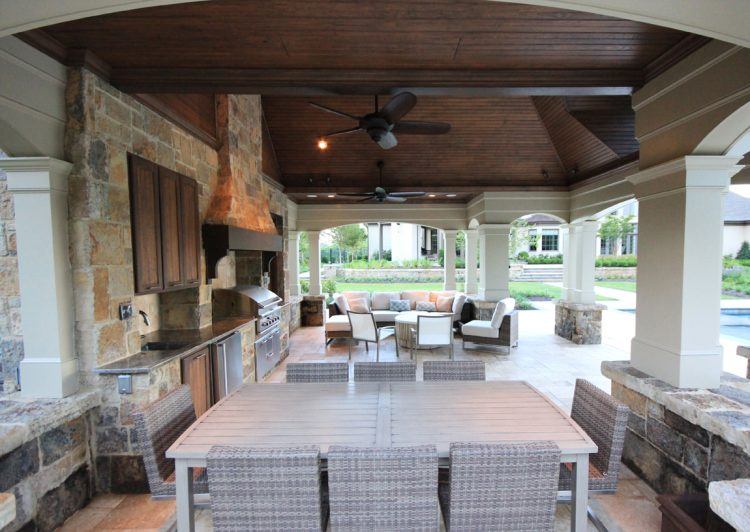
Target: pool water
734, 322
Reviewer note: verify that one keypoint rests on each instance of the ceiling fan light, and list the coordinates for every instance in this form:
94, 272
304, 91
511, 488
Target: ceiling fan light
312, 195
450, 195
431, 195
322, 144
331, 195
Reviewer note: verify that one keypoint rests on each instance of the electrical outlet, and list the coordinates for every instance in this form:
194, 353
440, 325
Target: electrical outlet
126, 310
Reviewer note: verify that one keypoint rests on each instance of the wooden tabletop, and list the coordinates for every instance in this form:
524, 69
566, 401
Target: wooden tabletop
382, 414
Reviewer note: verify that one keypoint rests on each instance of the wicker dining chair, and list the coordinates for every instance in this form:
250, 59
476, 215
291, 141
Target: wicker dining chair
266, 489
604, 419
157, 427
317, 372
383, 488
503, 486
385, 371
448, 370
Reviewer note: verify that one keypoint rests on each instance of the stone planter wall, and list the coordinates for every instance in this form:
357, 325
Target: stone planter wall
48, 465
579, 323
417, 275
612, 272
680, 440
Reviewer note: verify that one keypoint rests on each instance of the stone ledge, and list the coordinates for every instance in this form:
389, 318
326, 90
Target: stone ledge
22, 419
730, 500
579, 307
724, 411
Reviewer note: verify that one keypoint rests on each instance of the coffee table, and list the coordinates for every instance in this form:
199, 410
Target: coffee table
407, 321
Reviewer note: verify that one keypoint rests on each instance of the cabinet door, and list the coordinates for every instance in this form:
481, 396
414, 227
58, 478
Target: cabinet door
171, 228
191, 231
145, 225
196, 371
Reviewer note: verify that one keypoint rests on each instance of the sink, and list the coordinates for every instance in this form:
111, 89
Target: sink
162, 346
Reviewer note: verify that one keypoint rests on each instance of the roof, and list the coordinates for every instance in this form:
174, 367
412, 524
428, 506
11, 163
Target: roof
736, 208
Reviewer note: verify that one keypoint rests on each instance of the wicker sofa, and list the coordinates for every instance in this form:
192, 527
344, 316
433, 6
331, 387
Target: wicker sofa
337, 323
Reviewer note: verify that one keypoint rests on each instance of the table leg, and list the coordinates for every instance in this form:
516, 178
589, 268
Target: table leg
184, 487
580, 494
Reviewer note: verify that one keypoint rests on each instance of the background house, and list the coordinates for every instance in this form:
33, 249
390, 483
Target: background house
404, 241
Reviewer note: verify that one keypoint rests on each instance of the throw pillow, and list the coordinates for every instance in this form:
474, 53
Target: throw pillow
399, 305
426, 306
341, 303
444, 304
498, 315
358, 304
458, 303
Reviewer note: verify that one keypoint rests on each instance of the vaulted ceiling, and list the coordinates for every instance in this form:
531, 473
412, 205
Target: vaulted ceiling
536, 96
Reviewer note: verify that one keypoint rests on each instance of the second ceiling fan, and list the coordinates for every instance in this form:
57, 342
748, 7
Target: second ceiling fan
380, 194
383, 124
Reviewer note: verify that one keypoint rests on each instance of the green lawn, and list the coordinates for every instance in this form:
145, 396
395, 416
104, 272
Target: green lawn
628, 286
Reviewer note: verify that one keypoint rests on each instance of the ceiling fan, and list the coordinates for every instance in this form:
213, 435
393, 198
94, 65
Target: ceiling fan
382, 124
380, 195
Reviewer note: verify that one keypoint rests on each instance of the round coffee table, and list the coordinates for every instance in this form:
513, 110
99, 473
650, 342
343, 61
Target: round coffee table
406, 322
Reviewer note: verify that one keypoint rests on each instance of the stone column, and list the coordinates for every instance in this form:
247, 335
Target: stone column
680, 229
449, 279
40, 192
471, 261
314, 238
293, 262
493, 259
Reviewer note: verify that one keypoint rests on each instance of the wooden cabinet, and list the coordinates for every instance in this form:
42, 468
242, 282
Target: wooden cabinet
196, 371
165, 228
145, 225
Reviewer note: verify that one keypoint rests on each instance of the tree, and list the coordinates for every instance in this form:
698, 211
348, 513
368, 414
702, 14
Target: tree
460, 243
616, 228
350, 238
520, 236
744, 252
304, 251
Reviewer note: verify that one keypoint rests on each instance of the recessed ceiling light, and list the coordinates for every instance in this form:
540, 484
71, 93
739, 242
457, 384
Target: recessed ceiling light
322, 144
450, 195
331, 195
312, 195
430, 195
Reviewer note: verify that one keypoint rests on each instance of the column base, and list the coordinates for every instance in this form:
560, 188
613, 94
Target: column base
579, 322
48, 377
684, 369
313, 311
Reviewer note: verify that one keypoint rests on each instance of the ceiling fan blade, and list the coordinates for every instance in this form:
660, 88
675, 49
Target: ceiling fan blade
388, 141
370, 198
398, 106
394, 199
334, 111
407, 194
342, 132
356, 194
410, 127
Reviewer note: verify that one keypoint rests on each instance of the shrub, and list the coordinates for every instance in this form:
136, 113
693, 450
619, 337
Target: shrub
545, 259
617, 261
744, 252
441, 258
304, 286
460, 262
329, 287
523, 256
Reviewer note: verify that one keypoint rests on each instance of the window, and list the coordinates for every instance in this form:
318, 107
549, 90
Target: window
607, 246
433, 240
533, 240
550, 240
630, 242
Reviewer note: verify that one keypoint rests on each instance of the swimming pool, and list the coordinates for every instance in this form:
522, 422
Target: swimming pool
734, 322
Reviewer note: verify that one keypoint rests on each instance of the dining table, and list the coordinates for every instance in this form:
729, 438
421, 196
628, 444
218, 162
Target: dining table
382, 414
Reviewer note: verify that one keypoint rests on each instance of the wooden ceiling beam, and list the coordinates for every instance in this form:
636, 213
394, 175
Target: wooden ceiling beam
320, 82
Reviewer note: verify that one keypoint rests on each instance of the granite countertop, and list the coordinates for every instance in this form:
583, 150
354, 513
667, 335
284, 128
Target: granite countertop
193, 339
730, 500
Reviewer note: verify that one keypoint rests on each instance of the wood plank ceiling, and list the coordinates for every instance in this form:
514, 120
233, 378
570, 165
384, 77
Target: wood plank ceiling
536, 96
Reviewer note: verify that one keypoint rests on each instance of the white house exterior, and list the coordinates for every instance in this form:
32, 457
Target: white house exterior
404, 241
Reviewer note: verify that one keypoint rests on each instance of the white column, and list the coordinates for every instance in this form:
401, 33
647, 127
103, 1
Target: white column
449, 279
567, 237
314, 238
471, 261
585, 249
493, 261
680, 226
293, 261
40, 192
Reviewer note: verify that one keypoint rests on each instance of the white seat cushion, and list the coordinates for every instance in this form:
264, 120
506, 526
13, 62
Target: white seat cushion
384, 315
339, 322
382, 300
481, 328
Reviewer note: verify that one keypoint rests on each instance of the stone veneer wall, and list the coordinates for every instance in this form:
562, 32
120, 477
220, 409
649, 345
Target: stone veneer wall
11, 341
103, 126
680, 440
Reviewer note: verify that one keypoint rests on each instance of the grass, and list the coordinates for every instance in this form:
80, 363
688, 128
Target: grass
627, 286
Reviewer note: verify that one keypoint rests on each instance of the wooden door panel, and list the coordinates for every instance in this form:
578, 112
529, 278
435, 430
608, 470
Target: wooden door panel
196, 372
145, 225
191, 234
171, 231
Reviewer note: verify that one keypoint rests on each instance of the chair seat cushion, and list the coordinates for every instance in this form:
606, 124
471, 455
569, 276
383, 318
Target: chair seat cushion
339, 322
480, 328
384, 315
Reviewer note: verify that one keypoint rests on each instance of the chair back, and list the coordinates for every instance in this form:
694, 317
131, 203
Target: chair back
449, 370
265, 489
604, 419
504, 486
385, 371
317, 372
381, 488
435, 330
363, 326
157, 427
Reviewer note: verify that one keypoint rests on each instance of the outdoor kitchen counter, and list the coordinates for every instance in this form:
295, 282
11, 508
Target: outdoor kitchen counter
194, 339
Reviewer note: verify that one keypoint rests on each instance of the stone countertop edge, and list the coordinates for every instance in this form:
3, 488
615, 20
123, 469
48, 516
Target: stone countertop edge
145, 361
730, 500
743, 351
679, 401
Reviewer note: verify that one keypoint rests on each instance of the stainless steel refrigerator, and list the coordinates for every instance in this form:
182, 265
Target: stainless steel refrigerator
226, 355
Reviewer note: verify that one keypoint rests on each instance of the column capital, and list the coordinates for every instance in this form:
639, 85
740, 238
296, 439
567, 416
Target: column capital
312, 233
699, 171
494, 229
450, 233
36, 174
293, 234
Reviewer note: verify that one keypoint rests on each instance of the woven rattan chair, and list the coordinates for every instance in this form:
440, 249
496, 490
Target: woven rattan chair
266, 489
383, 488
157, 427
317, 372
447, 370
505, 486
385, 371
604, 419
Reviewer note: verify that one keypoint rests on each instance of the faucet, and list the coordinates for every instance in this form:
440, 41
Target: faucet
145, 317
